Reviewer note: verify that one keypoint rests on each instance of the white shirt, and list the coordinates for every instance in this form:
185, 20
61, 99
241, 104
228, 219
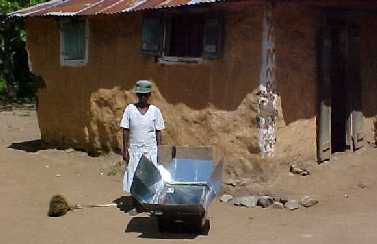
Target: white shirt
142, 126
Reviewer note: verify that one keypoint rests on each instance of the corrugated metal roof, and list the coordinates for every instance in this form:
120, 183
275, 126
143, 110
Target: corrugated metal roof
94, 7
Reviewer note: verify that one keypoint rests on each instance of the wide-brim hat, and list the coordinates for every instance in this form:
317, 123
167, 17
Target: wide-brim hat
143, 86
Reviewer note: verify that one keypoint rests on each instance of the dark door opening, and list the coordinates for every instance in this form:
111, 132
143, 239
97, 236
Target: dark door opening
338, 69
340, 118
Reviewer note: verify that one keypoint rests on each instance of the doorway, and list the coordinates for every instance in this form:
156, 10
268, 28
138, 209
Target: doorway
340, 117
338, 84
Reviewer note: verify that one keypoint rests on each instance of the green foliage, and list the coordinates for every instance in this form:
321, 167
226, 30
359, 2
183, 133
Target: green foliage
2, 86
8, 6
17, 81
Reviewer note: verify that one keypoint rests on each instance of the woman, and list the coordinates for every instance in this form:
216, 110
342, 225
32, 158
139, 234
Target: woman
142, 124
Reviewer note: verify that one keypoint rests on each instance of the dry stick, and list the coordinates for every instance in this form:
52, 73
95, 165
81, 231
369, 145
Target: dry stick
79, 206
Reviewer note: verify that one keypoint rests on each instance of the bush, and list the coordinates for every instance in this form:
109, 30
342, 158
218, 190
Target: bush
14, 70
2, 86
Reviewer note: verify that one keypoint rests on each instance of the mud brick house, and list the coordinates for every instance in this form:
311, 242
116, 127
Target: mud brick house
280, 78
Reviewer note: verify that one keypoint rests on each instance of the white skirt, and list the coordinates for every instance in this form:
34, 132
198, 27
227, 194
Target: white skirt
135, 152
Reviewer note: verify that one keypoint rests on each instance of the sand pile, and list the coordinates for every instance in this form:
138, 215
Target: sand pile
233, 134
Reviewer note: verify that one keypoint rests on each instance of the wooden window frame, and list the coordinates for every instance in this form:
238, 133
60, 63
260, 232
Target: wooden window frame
168, 59
213, 21
72, 62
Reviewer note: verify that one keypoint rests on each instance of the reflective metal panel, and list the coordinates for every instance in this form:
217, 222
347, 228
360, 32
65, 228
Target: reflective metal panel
147, 181
188, 170
182, 194
194, 185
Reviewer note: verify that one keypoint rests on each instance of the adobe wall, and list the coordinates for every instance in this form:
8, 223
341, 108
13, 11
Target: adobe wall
213, 103
297, 81
209, 104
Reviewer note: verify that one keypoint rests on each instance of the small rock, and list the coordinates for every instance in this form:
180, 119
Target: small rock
249, 201
292, 205
47, 166
294, 169
362, 185
236, 201
265, 201
226, 198
299, 171
307, 201
230, 182
69, 150
279, 198
346, 196
58, 175
244, 182
307, 235
277, 205
101, 173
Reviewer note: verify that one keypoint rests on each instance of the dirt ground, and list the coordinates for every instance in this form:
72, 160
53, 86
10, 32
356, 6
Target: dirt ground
29, 175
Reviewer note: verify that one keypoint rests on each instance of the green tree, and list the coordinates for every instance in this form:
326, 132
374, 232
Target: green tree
16, 81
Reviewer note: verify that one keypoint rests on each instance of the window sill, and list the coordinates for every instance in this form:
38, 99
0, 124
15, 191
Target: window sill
180, 60
73, 63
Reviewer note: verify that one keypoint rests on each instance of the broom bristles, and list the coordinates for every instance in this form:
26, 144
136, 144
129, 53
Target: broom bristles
58, 206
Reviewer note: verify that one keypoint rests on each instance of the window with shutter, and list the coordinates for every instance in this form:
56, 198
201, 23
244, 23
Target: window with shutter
183, 38
152, 34
213, 37
73, 42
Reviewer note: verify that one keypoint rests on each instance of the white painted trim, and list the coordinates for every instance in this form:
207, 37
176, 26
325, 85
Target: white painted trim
180, 60
74, 63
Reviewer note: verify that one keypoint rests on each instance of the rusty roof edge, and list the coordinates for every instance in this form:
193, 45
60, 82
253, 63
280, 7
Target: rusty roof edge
28, 12
190, 3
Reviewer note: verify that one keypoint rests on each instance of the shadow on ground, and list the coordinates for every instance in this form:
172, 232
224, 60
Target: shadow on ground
148, 228
28, 146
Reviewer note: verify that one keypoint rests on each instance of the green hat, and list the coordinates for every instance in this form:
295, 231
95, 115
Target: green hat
143, 86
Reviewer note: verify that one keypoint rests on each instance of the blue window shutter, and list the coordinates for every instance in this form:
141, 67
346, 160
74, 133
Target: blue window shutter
74, 40
152, 33
213, 36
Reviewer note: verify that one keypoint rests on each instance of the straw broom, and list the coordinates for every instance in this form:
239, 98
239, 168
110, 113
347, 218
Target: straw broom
59, 206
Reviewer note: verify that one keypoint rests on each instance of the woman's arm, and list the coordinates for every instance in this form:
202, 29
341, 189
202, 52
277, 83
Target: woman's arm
158, 137
126, 156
